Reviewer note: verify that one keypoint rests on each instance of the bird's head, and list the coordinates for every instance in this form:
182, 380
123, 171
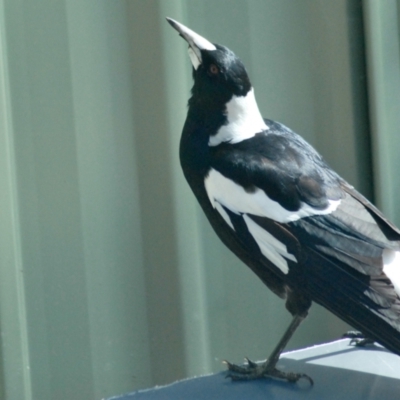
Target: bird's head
217, 72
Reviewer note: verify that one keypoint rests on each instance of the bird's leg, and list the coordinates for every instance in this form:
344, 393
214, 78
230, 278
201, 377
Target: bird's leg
268, 368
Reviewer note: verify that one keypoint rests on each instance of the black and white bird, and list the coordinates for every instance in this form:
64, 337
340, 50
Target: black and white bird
273, 201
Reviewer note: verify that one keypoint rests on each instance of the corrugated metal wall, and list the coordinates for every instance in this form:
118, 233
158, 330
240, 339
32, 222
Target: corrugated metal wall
110, 277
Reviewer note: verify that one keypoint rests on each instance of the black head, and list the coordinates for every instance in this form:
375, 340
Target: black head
217, 72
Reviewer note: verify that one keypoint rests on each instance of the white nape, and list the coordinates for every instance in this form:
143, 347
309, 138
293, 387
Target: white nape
391, 267
233, 196
244, 120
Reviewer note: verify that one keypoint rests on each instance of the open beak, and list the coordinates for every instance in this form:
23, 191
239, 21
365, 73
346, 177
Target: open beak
195, 41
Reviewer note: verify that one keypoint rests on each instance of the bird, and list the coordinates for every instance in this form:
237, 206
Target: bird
271, 198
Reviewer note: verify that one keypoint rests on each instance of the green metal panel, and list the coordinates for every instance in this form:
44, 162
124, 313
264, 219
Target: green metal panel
156, 194
383, 52
82, 297
15, 379
102, 97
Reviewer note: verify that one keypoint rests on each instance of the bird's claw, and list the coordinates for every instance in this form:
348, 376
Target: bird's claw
252, 371
357, 339
361, 342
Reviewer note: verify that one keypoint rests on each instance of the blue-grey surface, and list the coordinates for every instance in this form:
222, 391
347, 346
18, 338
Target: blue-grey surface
339, 370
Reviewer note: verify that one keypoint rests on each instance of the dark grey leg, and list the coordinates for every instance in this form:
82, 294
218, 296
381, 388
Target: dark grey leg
267, 369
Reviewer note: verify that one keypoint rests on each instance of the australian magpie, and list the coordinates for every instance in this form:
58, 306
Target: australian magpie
273, 201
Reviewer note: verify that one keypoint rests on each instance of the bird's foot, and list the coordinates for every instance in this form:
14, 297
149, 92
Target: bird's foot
361, 342
252, 370
358, 339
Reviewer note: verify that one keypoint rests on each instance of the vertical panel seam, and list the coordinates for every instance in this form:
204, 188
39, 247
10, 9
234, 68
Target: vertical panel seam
11, 179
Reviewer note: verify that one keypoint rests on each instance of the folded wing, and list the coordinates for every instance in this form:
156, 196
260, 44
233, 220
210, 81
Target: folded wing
282, 201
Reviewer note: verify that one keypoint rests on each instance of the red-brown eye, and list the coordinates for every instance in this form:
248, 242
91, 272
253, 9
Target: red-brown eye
214, 70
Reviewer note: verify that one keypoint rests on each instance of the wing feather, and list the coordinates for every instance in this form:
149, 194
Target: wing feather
335, 252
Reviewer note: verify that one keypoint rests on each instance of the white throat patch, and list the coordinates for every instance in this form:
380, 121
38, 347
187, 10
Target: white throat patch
244, 120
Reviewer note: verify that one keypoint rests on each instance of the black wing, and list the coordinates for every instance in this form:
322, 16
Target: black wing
325, 239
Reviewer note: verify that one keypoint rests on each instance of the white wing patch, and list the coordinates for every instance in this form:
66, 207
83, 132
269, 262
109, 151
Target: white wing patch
223, 192
223, 213
391, 267
271, 247
235, 198
244, 120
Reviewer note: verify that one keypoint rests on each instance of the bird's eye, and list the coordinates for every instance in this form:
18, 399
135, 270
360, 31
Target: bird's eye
213, 69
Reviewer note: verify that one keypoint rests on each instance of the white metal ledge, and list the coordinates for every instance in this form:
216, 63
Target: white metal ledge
339, 370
